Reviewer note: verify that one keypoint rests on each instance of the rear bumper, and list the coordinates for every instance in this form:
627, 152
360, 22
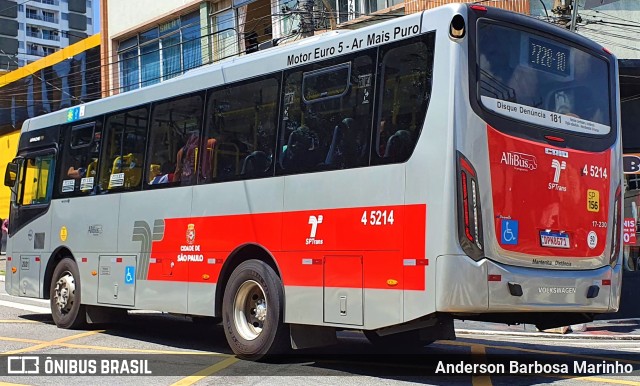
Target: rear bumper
463, 286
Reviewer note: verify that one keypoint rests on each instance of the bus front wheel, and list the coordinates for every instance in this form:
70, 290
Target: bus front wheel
65, 298
252, 311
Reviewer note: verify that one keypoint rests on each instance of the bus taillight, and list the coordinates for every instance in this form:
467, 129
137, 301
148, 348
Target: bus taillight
615, 231
469, 211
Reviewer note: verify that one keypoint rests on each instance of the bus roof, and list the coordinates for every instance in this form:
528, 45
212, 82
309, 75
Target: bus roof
271, 60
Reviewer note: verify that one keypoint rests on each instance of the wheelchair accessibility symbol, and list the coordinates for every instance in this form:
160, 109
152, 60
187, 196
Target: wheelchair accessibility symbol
509, 232
129, 274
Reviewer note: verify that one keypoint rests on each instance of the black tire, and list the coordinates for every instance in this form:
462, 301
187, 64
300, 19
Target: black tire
252, 312
66, 308
402, 342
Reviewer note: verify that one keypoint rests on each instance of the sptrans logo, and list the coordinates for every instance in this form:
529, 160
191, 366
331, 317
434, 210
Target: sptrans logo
314, 221
559, 167
519, 161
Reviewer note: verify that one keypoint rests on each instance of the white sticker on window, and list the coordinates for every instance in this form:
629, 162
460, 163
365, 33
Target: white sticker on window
68, 186
116, 180
544, 117
86, 183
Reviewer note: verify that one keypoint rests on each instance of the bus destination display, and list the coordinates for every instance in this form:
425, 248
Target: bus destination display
548, 57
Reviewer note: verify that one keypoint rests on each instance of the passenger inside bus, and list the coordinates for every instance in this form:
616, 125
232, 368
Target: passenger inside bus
302, 150
186, 160
161, 174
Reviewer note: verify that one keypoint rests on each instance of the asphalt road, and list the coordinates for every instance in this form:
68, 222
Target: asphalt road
181, 352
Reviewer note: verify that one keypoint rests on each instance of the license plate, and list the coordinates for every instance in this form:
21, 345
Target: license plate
554, 239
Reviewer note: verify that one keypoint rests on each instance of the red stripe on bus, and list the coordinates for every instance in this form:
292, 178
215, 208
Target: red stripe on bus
379, 238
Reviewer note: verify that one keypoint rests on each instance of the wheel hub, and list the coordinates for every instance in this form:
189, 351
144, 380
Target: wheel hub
250, 310
65, 292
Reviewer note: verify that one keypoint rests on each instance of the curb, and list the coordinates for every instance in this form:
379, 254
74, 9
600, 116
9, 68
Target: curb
549, 335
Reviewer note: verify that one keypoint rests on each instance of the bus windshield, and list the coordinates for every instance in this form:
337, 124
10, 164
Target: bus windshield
534, 79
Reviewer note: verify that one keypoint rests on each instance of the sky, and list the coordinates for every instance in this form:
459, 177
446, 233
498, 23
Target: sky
96, 16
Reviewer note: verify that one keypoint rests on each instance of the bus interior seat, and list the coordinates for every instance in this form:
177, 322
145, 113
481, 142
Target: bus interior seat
255, 164
127, 164
91, 171
226, 161
333, 155
399, 146
302, 149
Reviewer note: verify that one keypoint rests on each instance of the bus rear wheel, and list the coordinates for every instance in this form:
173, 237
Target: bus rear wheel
252, 311
65, 299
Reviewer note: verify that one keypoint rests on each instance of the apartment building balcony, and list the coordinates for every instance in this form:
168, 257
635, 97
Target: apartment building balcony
44, 36
43, 18
47, 2
40, 51
49, 5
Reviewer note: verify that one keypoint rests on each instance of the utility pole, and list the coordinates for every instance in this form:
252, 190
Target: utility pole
574, 15
307, 25
567, 13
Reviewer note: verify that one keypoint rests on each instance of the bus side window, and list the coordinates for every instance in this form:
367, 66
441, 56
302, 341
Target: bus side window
240, 131
326, 120
122, 160
174, 142
37, 186
80, 153
405, 71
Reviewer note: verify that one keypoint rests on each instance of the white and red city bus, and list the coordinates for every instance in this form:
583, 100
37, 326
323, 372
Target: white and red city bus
463, 162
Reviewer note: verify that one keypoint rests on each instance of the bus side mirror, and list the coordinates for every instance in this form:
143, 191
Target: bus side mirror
11, 174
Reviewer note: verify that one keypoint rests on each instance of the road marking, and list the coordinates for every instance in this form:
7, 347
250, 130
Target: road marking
117, 349
141, 350
190, 380
535, 351
11, 384
55, 342
480, 354
25, 307
21, 340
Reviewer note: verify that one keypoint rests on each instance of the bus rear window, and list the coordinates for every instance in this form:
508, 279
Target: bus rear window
542, 81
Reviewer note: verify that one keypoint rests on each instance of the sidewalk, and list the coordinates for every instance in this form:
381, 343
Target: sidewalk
621, 329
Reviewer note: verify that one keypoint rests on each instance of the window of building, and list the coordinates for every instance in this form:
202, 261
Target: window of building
150, 63
49, 17
290, 21
65, 16
240, 132
32, 14
122, 160
88, 3
174, 142
161, 53
89, 21
225, 41
20, 8
48, 50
